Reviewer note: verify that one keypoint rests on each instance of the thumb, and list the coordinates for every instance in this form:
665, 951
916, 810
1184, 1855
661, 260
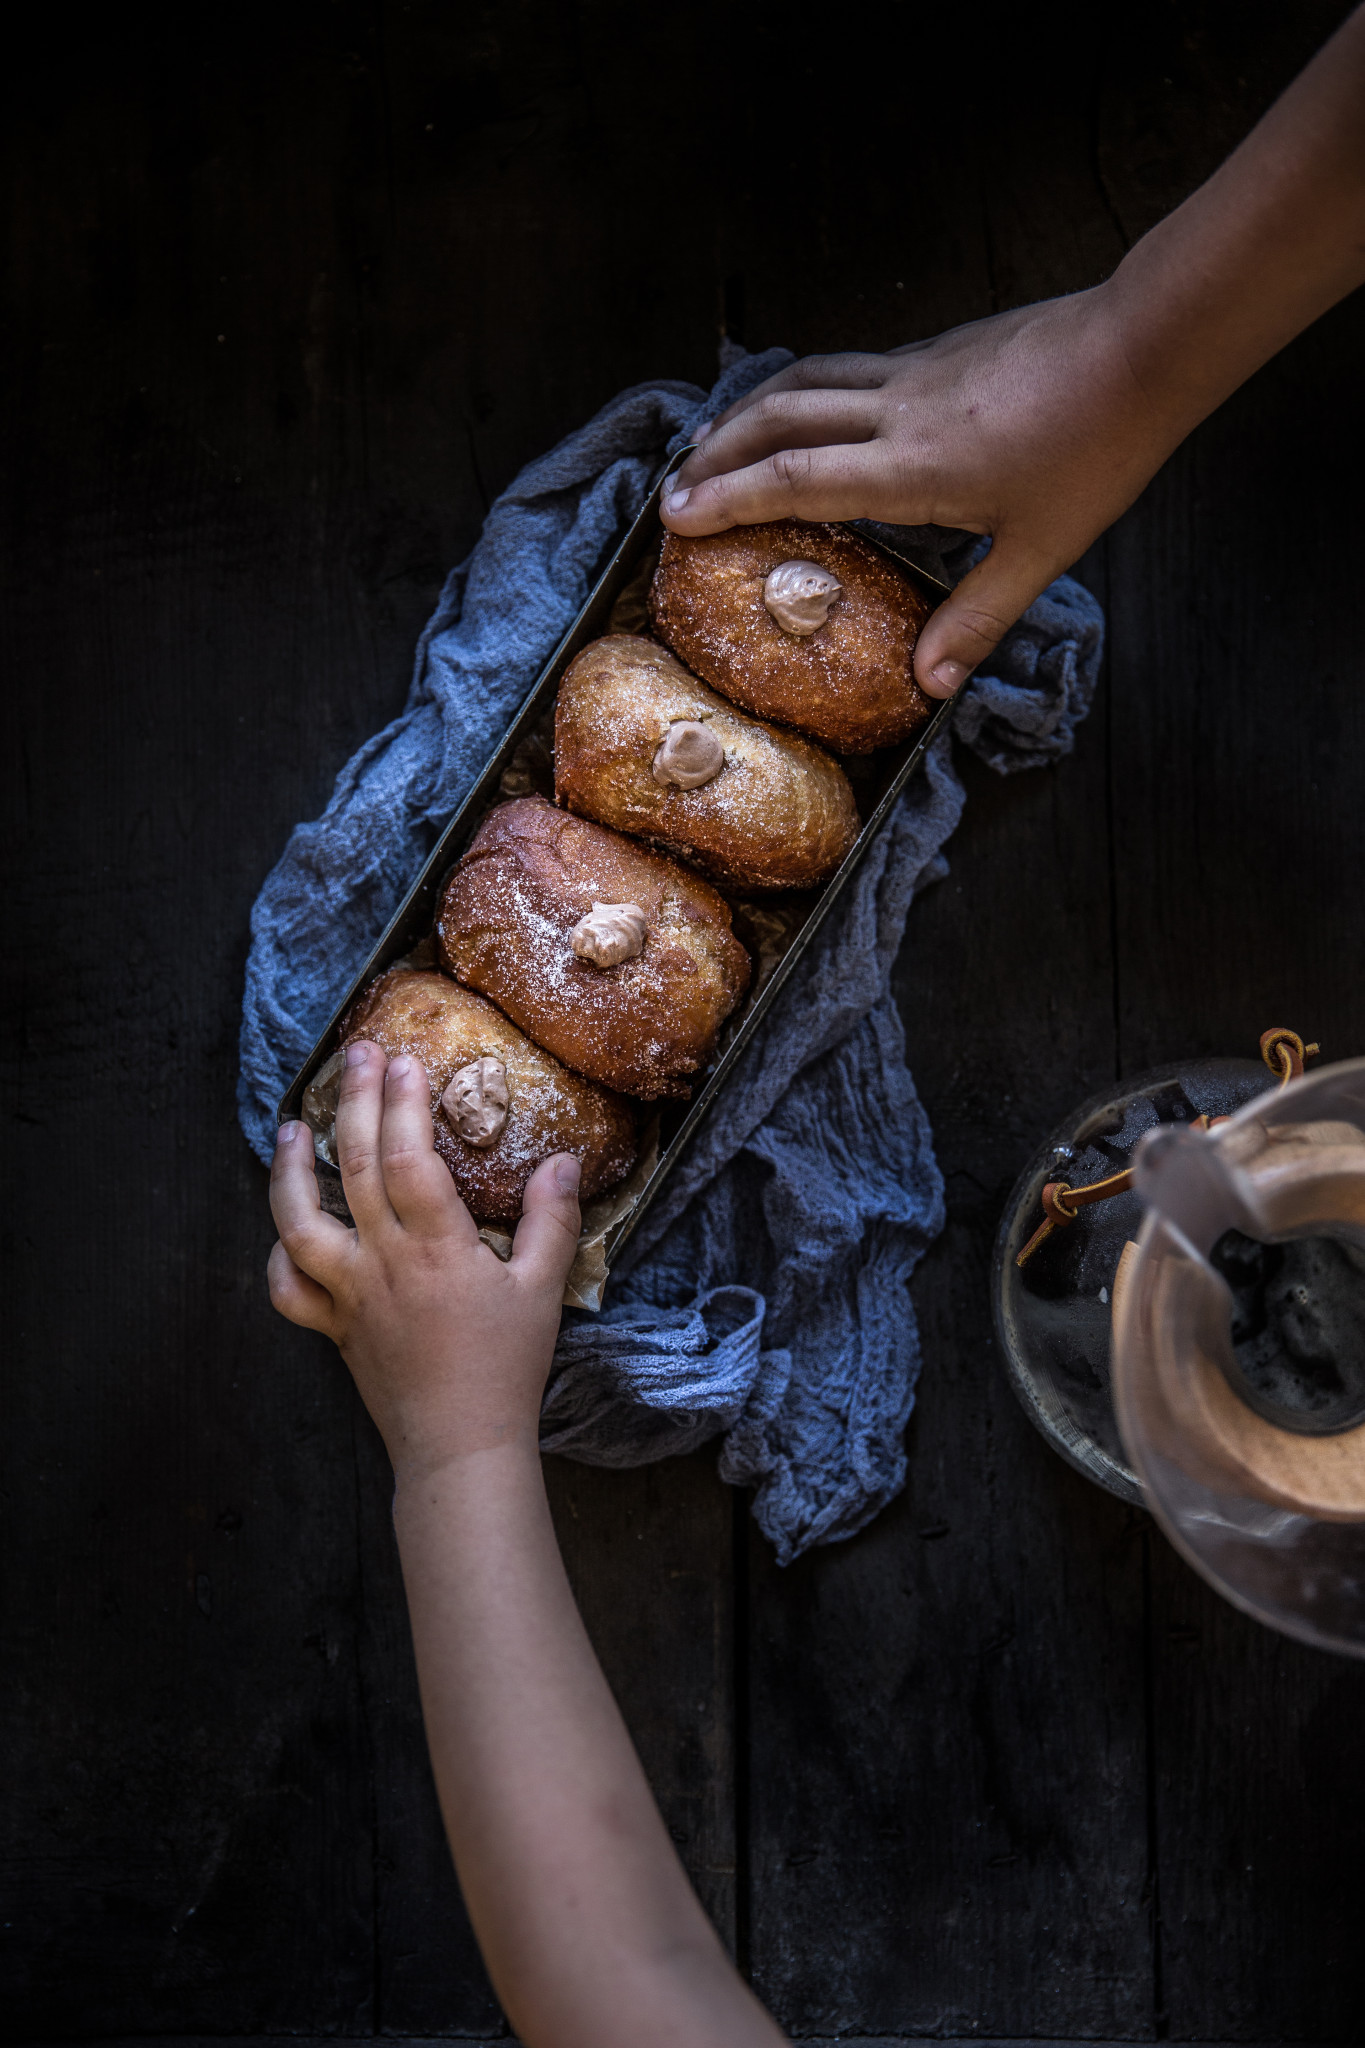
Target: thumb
976, 617
547, 1235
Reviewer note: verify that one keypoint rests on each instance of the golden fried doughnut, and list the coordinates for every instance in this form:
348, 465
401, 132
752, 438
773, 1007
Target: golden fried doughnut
536, 901
499, 1103
642, 745
849, 681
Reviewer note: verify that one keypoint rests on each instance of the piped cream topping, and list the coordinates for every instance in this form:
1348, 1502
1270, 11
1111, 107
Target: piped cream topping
609, 934
799, 595
476, 1102
689, 755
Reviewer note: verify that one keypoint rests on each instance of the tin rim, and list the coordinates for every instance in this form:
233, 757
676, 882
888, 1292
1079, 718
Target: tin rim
413, 917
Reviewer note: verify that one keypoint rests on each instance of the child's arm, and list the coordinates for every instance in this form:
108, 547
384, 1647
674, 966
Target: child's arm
591, 1933
1041, 426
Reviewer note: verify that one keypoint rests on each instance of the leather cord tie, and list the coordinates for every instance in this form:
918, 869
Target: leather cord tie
1283, 1051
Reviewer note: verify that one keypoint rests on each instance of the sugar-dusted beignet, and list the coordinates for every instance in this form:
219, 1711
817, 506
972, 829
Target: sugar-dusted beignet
499, 1103
802, 623
617, 960
642, 745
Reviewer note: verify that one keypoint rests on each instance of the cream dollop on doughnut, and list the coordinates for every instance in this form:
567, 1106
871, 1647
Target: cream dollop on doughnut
609, 934
476, 1102
689, 755
798, 596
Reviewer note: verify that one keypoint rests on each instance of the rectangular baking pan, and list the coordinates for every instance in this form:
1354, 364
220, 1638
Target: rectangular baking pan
877, 779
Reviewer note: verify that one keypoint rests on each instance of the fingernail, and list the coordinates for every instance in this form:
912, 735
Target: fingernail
949, 676
700, 433
400, 1066
287, 1133
675, 500
356, 1055
568, 1173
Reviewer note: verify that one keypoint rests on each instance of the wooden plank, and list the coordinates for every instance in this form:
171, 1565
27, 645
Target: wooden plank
442, 2041
948, 1726
224, 558
649, 1554
432, 244
1238, 738
1176, 87
949, 1739
189, 1827
1260, 1788
191, 1818
1233, 919
494, 147
522, 254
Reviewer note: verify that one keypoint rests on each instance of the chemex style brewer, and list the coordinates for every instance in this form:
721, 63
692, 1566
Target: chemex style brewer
1209, 1358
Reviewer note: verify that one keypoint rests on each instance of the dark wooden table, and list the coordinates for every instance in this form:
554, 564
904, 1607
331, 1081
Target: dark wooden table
292, 291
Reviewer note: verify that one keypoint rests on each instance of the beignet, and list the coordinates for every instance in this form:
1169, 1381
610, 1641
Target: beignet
499, 1103
802, 623
643, 746
617, 960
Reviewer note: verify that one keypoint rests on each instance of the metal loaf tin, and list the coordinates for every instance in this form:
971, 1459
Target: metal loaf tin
877, 779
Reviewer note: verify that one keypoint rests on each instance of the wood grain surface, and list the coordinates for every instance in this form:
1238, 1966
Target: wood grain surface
290, 293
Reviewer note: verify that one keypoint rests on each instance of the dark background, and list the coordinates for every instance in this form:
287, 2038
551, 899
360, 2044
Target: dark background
290, 293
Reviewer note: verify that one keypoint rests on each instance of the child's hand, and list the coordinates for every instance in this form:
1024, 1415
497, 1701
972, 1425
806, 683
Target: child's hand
1030, 427
450, 1347
589, 1927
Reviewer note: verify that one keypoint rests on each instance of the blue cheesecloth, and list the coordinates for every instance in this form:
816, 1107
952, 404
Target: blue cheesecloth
764, 1298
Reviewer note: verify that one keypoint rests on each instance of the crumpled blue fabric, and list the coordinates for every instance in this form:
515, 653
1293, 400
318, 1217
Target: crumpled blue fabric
764, 1299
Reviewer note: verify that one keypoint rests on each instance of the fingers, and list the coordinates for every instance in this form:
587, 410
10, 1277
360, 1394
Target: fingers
298, 1299
967, 625
784, 419
360, 1116
846, 482
417, 1185
317, 1245
547, 1235
850, 371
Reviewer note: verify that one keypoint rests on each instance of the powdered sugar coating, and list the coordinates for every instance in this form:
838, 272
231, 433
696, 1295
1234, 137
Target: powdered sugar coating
850, 683
781, 816
550, 1110
505, 924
